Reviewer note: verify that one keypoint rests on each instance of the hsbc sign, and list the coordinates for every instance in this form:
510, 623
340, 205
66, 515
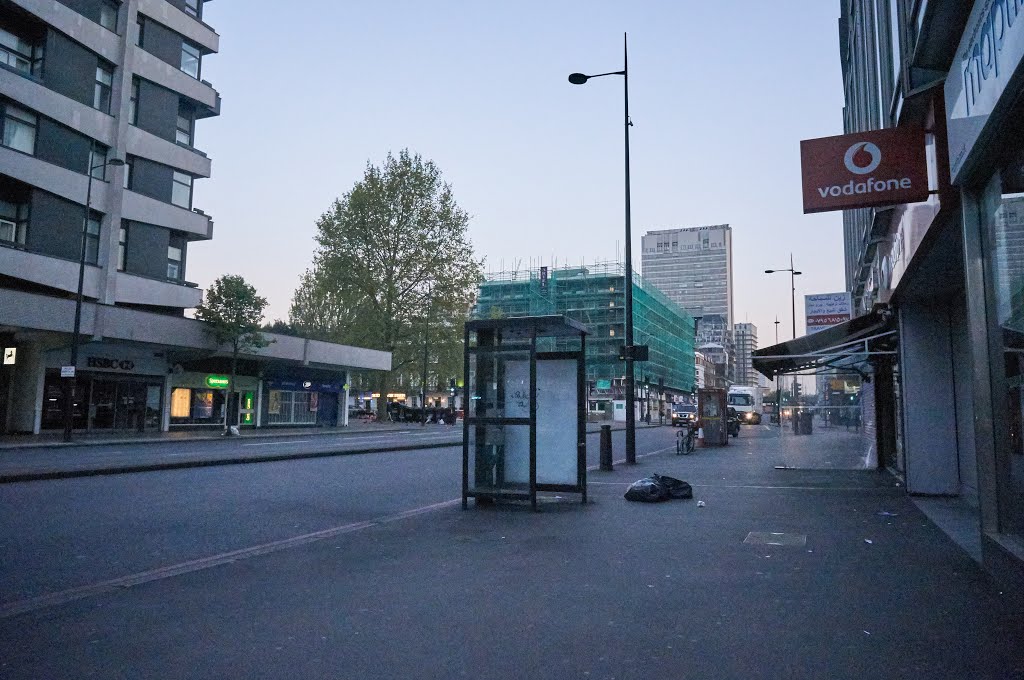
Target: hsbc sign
881, 167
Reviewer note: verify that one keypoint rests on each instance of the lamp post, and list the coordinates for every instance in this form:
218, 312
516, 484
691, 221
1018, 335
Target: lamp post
69, 382
426, 335
792, 286
580, 79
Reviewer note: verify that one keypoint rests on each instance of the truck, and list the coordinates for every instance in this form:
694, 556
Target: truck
747, 402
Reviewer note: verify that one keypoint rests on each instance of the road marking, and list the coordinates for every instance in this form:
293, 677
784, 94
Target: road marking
297, 441
10, 609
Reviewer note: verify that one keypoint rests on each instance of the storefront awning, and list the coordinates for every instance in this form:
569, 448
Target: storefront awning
844, 346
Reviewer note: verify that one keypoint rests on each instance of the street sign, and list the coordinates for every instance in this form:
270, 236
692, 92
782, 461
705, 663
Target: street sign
10, 355
543, 278
67, 371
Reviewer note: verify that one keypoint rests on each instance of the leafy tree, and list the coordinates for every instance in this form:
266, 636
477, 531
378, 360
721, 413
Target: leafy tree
233, 311
393, 262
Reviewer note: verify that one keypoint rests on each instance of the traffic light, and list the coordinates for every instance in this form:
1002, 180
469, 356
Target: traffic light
451, 386
797, 389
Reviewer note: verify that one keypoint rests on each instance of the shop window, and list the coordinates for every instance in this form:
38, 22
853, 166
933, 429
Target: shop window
181, 402
202, 405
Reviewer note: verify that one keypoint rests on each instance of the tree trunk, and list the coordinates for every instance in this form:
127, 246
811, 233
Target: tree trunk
383, 383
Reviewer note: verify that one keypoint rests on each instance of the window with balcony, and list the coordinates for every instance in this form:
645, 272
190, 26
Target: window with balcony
194, 7
181, 192
19, 128
173, 263
140, 32
122, 246
20, 54
13, 222
190, 56
128, 161
133, 103
101, 91
183, 134
108, 15
92, 239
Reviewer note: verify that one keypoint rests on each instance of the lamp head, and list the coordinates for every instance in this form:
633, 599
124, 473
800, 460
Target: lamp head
797, 273
115, 162
769, 271
578, 78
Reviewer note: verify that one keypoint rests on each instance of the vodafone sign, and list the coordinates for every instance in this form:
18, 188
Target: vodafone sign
882, 167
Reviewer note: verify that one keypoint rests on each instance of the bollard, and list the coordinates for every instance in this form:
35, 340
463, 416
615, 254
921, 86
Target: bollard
606, 448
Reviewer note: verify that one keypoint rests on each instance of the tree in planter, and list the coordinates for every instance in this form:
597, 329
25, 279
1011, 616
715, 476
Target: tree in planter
232, 312
393, 261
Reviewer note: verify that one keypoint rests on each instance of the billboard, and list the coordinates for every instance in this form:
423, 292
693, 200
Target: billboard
864, 169
826, 310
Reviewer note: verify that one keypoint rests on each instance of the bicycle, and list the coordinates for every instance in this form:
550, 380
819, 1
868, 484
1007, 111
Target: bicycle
686, 441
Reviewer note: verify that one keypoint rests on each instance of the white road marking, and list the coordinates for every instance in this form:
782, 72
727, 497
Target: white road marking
297, 441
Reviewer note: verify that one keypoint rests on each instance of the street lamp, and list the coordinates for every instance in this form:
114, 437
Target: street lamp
792, 286
69, 382
426, 336
580, 79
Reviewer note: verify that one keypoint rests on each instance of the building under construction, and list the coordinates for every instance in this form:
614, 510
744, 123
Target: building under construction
595, 295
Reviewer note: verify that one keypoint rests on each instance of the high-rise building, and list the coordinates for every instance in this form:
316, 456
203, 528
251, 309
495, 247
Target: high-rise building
101, 110
692, 267
745, 335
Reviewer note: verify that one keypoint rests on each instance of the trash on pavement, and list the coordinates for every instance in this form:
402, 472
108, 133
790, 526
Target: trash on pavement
657, 488
886, 513
701, 504
868, 540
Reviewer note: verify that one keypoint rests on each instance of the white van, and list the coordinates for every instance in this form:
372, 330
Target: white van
747, 402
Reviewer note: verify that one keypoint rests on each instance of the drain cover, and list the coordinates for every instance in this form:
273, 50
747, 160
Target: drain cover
769, 538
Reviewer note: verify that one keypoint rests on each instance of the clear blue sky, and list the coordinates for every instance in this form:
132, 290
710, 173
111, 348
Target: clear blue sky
721, 93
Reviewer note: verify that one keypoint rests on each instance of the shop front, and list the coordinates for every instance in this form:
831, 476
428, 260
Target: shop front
116, 387
985, 105
200, 400
303, 402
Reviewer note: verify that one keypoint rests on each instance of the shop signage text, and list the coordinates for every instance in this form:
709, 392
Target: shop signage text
110, 364
881, 167
990, 51
826, 310
217, 382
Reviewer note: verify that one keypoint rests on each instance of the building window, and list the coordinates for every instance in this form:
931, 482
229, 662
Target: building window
183, 135
194, 7
19, 129
190, 56
101, 92
133, 103
122, 246
98, 161
20, 54
13, 222
140, 26
181, 192
92, 239
128, 172
173, 263
108, 15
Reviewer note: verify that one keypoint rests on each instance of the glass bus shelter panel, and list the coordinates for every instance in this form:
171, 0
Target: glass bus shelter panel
499, 459
557, 422
499, 384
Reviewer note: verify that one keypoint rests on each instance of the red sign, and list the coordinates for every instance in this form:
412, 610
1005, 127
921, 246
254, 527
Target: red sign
865, 169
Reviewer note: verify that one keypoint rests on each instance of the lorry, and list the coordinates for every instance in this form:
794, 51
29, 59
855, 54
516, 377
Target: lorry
747, 402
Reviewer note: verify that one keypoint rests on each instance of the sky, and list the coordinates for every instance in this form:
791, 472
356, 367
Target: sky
720, 94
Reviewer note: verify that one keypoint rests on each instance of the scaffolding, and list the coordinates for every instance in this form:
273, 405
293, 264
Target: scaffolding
594, 295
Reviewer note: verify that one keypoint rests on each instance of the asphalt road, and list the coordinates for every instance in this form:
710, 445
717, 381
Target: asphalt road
359, 566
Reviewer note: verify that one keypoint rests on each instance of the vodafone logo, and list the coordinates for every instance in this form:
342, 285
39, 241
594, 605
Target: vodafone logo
860, 152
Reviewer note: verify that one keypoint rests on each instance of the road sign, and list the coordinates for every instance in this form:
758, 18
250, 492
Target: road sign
67, 371
10, 355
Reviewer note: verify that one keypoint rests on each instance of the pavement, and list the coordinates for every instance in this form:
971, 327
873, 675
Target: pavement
768, 572
46, 456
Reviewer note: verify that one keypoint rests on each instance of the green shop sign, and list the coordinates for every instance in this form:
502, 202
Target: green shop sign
604, 384
219, 382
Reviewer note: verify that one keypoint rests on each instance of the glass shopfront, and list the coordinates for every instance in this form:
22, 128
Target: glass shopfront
104, 402
1002, 215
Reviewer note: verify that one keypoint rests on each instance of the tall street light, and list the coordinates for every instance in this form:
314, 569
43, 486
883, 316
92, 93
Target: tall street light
792, 287
580, 79
426, 336
69, 382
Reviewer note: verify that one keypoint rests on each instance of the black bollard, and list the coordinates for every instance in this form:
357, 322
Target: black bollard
606, 448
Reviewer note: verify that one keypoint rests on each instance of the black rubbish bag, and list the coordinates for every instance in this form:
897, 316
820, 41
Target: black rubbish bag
657, 488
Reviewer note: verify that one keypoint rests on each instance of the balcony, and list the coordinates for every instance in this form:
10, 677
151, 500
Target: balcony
147, 145
34, 95
45, 270
145, 65
78, 28
179, 22
133, 289
139, 208
60, 181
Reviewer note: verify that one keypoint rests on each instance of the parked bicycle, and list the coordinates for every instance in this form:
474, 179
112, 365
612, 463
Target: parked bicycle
686, 440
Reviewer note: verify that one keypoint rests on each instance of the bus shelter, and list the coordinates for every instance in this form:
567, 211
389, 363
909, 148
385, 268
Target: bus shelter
525, 418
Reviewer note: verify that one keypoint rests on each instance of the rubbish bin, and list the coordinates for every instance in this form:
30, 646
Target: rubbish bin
796, 422
807, 422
